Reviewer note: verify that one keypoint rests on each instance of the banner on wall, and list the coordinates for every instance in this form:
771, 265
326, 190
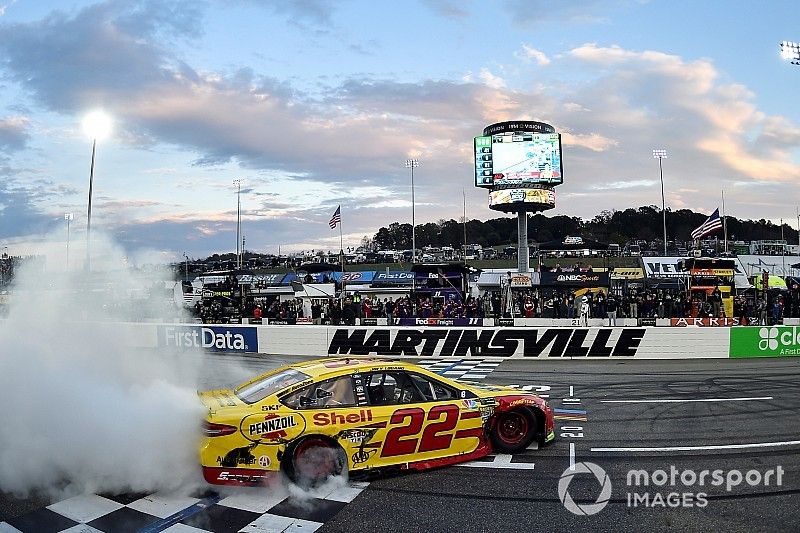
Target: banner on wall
505, 342
440, 322
774, 341
574, 279
705, 322
216, 338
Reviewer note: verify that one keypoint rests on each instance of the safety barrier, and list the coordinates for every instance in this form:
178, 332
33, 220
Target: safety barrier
628, 342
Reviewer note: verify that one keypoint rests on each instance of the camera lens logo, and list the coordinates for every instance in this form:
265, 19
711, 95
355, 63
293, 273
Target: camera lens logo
769, 339
584, 509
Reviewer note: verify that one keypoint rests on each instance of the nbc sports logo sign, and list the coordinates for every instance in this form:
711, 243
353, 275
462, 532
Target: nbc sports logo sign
775, 341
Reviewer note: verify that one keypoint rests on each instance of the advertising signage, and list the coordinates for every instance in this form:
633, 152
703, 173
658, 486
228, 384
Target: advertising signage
518, 199
214, 338
775, 341
394, 278
575, 279
354, 277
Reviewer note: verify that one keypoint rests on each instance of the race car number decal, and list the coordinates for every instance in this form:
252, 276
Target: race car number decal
397, 441
403, 440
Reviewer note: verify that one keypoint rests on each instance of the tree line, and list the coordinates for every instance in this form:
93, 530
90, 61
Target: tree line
644, 223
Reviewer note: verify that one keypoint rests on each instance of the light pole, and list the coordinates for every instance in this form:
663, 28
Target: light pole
790, 51
97, 125
412, 164
69, 217
187, 265
4, 260
238, 184
662, 154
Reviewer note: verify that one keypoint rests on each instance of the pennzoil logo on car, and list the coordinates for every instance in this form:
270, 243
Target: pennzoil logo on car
272, 428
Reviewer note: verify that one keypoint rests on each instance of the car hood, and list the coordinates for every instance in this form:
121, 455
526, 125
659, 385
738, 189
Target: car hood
485, 389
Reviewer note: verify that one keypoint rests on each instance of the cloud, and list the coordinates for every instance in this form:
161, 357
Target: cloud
449, 9
537, 12
19, 212
593, 141
4, 7
664, 93
347, 143
490, 80
301, 11
529, 53
635, 184
14, 133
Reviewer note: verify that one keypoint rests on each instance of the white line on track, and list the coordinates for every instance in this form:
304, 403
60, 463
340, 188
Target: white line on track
501, 460
572, 456
696, 448
570, 391
679, 400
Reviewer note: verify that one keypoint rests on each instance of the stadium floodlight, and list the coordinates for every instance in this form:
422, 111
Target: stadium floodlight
412, 164
97, 125
662, 154
790, 51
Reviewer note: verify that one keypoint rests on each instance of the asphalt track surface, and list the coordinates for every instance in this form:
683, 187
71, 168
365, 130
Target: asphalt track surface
682, 416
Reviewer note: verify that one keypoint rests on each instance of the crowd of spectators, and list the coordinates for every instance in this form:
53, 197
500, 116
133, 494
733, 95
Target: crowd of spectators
527, 303
355, 306
539, 302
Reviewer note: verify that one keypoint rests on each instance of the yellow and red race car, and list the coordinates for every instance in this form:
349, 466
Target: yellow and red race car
323, 417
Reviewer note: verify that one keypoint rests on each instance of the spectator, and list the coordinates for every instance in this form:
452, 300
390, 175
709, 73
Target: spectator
611, 310
716, 301
777, 310
388, 308
584, 314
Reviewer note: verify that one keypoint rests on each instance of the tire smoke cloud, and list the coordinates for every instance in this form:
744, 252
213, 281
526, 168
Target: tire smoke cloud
80, 410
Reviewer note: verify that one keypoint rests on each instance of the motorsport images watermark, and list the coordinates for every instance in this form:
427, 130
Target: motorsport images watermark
663, 487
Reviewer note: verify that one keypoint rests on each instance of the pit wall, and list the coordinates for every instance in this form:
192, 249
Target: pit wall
508, 342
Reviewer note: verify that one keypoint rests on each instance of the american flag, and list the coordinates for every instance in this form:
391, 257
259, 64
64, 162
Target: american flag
711, 224
336, 218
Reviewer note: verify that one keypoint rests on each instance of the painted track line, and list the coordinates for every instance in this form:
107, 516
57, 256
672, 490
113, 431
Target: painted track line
700, 448
572, 456
693, 400
501, 461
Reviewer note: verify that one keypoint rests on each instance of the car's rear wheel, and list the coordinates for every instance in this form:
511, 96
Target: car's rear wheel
313, 460
513, 431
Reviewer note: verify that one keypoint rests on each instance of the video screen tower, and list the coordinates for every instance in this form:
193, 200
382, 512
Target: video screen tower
520, 163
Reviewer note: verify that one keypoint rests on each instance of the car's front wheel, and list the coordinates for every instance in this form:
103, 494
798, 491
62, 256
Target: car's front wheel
313, 460
513, 431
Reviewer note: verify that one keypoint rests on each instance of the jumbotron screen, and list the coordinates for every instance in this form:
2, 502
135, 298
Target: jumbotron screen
518, 158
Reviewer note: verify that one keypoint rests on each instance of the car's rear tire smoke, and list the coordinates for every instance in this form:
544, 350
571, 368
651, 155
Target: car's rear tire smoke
313, 460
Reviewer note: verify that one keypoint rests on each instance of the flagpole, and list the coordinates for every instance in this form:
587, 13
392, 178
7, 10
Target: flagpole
341, 258
724, 222
783, 250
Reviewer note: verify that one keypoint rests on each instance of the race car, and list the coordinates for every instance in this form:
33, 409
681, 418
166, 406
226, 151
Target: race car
325, 417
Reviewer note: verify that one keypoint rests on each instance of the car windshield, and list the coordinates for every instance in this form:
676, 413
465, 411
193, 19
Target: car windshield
260, 389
